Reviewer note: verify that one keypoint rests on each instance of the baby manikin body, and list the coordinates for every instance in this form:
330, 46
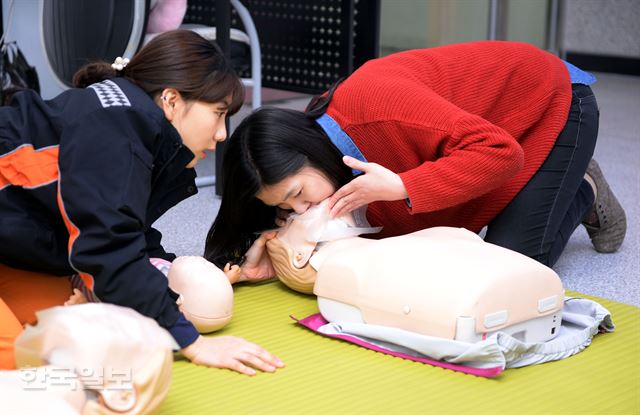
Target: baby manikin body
442, 282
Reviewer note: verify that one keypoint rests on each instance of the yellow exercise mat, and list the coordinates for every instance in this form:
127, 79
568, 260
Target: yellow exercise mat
328, 376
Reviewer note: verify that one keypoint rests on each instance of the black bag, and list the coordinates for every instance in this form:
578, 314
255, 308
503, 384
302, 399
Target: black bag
15, 72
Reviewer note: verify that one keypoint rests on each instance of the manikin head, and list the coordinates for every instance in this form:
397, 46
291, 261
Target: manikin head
121, 360
303, 235
206, 295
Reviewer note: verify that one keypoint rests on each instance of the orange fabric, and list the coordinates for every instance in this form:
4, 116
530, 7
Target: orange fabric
28, 167
74, 232
26, 292
22, 293
10, 328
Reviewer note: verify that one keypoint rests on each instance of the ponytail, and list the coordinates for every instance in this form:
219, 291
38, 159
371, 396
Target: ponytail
180, 59
319, 103
93, 72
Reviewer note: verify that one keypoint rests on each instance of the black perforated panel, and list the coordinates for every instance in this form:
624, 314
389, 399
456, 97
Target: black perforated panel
306, 45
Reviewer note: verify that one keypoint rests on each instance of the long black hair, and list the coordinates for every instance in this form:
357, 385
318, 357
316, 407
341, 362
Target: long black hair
268, 146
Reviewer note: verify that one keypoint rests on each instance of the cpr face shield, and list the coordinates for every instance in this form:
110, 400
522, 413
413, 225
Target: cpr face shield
303, 234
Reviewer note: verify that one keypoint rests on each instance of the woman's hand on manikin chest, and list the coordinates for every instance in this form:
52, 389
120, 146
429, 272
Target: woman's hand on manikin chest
377, 183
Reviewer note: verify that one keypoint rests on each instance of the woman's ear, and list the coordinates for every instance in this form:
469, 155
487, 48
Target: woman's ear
170, 99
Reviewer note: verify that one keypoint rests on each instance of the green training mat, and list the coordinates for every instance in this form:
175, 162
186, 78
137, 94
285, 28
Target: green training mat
329, 376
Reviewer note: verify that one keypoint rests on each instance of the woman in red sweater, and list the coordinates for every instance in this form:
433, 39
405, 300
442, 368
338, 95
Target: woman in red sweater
496, 134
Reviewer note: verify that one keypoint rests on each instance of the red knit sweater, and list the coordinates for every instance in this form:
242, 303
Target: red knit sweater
465, 126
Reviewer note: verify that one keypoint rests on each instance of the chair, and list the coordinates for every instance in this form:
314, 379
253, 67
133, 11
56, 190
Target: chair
249, 68
250, 77
78, 31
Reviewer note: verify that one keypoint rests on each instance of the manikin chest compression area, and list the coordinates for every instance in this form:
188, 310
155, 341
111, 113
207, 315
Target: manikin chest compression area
441, 282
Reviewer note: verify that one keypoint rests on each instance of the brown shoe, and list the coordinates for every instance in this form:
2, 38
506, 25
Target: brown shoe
607, 233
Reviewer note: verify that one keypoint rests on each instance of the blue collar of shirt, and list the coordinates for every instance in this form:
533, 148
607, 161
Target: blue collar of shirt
340, 139
578, 76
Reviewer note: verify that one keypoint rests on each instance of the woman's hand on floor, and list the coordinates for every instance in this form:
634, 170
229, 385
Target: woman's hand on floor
377, 183
232, 353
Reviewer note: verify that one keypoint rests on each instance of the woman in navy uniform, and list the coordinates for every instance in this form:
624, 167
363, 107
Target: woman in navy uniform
85, 175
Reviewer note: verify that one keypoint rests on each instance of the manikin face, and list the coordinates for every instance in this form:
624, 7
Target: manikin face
298, 192
303, 232
200, 124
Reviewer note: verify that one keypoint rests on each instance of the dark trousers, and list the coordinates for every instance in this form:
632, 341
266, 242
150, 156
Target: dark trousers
540, 219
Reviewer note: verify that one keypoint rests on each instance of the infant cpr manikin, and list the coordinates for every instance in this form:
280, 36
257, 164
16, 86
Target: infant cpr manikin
442, 282
206, 295
93, 358
100, 358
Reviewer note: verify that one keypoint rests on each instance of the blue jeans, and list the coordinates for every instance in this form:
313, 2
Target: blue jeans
540, 219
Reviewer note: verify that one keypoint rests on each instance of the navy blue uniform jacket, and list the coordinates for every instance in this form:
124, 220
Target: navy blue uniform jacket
82, 179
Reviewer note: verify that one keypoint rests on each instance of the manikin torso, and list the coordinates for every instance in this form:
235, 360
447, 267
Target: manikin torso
443, 282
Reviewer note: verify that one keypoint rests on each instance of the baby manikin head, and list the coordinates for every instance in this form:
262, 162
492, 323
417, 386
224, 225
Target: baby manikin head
302, 235
113, 360
206, 295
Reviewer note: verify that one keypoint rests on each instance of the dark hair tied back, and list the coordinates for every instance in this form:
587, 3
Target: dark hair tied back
93, 72
319, 103
179, 59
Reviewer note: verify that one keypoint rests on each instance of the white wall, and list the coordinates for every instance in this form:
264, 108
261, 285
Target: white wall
403, 24
26, 30
603, 27
409, 24
527, 21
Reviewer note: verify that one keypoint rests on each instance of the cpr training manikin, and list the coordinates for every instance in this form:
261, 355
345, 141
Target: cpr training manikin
92, 358
441, 292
